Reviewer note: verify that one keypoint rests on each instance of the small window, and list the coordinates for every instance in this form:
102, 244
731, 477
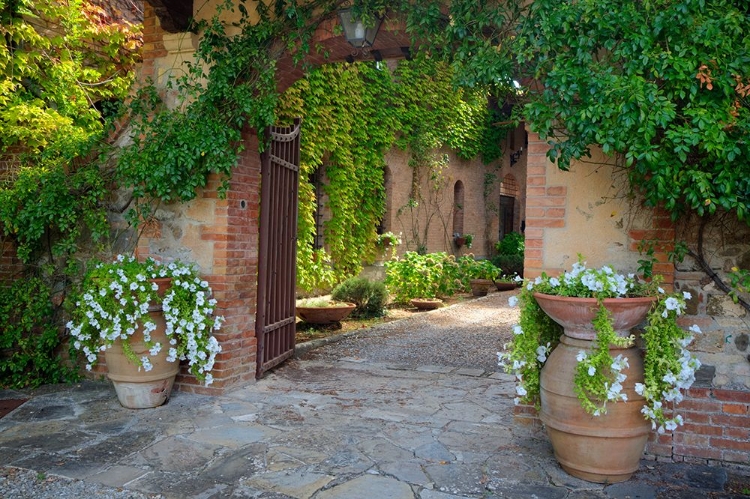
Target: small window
316, 180
458, 208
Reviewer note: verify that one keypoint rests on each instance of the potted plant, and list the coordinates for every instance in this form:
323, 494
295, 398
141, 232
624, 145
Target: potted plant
323, 310
599, 408
507, 282
423, 279
145, 317
460, 240
384, 242
481, 274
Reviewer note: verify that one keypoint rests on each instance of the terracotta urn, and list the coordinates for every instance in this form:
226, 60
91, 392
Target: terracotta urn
480, 287
605, 448
135, 387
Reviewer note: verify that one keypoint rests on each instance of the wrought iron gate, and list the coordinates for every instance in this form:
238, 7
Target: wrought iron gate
277, 271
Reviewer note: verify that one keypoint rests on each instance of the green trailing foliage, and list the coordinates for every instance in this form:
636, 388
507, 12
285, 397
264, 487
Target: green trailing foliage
353, 114
370, 297
30, 341
63, 70
663, 84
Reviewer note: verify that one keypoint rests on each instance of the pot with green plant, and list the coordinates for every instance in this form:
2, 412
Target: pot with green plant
481, 274
385, 247
145, 317
421, 280
463, 239
574, 357
507, 282
323, 310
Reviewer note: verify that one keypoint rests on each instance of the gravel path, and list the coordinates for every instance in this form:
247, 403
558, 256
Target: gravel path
468, 334
16, 483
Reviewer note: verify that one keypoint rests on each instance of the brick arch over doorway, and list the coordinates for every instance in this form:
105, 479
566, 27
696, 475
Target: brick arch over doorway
222, 235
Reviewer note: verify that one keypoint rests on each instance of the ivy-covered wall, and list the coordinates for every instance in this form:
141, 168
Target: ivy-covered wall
353, 114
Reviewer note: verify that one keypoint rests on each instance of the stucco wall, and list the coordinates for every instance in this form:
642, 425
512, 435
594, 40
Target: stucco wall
481, 186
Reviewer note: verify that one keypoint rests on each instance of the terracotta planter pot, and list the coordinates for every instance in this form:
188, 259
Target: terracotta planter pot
505, 286
575, 314
426, 303
480, 287
139, 389
325, 315
607, 448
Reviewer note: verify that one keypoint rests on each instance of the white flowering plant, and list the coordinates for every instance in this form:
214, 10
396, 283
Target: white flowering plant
668, 366
114, 302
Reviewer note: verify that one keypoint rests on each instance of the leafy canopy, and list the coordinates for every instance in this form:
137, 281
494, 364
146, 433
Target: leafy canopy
663, 83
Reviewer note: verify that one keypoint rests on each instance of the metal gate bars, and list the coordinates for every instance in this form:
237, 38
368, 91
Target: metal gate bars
277, 272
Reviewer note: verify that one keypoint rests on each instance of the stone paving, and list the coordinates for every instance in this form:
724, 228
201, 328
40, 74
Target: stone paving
348, 429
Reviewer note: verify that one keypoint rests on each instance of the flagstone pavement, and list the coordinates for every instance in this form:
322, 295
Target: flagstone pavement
316, 428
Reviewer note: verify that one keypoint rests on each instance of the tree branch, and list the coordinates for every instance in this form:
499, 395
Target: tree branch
716, 278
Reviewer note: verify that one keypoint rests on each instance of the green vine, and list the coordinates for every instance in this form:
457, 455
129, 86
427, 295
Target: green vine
353, 114
597, 376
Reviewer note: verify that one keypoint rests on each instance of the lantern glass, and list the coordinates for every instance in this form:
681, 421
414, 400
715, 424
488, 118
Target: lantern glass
356, 32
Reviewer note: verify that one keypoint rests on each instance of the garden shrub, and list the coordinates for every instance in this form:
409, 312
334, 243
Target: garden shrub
370, 297
510, 251
509, 264
433, 275
511, 244
29, 339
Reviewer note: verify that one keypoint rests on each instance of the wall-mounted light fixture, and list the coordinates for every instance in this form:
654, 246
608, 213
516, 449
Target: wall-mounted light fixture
355, 30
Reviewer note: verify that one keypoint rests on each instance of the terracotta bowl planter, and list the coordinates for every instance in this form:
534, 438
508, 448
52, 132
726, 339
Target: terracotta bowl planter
505, 286
330, 314
480, 287
426, 303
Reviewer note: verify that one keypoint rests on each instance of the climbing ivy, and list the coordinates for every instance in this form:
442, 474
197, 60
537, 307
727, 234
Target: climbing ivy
64, 67
354, 113
665, 84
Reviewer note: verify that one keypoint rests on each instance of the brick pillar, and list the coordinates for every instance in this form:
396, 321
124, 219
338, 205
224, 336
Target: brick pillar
234, 279
545, 205
221, 236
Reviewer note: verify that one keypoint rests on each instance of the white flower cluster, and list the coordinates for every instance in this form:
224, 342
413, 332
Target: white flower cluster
194, 328
115, 305
614, 389
603, 281
673, 385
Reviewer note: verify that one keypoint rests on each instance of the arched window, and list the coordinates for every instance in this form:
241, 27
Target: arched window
458, 208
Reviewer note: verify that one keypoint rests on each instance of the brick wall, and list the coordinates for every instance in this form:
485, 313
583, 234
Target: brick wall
716, 429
